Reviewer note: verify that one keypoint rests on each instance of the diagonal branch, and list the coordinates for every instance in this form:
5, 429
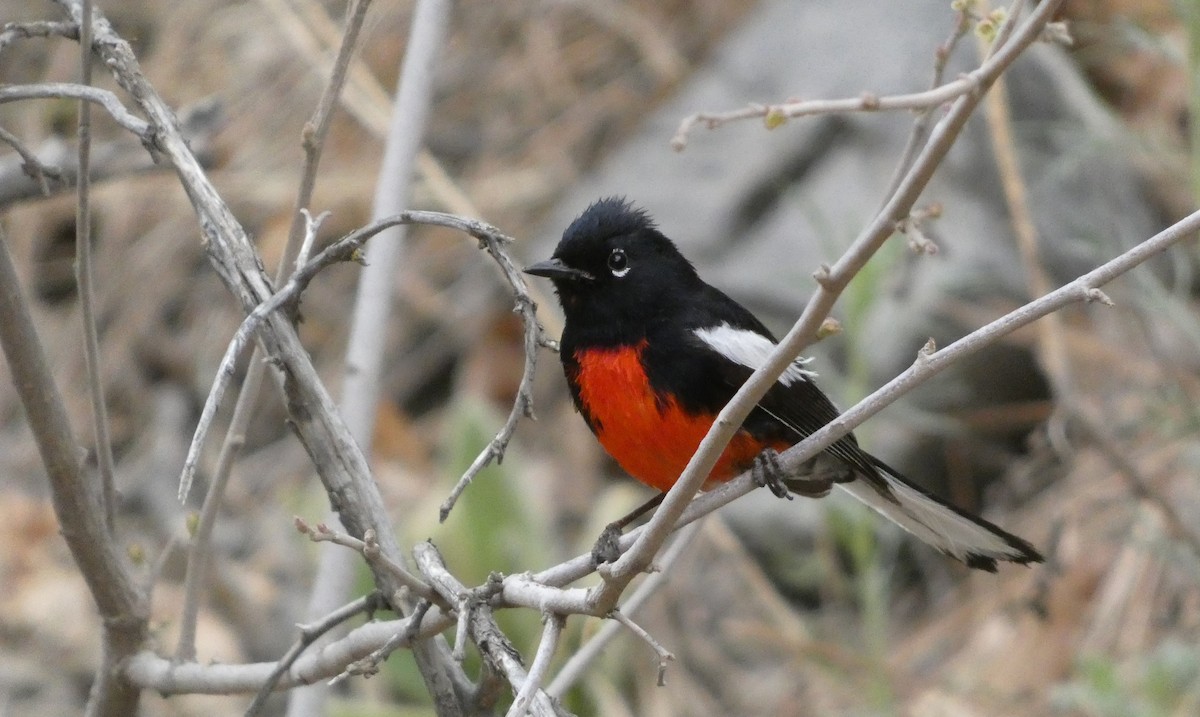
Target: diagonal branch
830, 282
347, 248
930, 363
302, 230
77, 503
314, 416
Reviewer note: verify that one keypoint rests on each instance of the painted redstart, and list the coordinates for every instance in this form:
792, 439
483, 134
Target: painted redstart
652, 353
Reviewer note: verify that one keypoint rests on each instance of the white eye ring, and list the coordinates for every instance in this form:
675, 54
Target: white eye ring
618, 263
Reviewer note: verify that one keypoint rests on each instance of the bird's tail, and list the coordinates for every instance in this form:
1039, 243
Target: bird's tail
954, 532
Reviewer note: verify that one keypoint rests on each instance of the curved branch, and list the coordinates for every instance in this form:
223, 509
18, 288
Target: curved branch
95, 95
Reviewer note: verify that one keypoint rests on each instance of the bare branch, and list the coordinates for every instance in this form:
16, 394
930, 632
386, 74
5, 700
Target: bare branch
66, 90
83, 282
523, 403
364, 352
493, 645
119, 157
150, 671
774, 115
13, 31
302, 227
582, 658
369, 548
309, 634
77, 504
345, 249
920, 129
369, 665
664, 656
551, 631
1051, 346
30, 164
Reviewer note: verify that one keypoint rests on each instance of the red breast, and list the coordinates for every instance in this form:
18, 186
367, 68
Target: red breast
644, 430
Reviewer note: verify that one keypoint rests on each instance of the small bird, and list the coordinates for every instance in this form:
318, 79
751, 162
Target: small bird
652, 353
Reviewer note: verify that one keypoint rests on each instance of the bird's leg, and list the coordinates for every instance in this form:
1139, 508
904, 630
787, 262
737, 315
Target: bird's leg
607, 548
767, 472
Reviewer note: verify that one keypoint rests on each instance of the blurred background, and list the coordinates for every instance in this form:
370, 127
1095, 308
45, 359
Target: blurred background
778, 608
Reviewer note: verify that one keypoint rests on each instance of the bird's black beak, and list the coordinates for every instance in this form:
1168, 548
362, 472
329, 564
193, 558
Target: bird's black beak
556, 270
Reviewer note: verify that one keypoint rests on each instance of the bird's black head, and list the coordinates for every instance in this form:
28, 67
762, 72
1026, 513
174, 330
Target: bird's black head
614, 266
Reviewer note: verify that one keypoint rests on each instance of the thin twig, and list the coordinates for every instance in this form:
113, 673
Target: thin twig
309, 634
365, 344
777, 114
311, 226
369, 665
551, 631
1051, 343
369, 548
119, 157
67, 90
920, 129
581, 659
774, 115
30, 164
200, 548
664, 656
83, 282
493, 645
534, 339
365, 99
459, 652
345, 249
13, 31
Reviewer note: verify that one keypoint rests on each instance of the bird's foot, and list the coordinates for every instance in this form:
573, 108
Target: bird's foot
768, 474
608, 546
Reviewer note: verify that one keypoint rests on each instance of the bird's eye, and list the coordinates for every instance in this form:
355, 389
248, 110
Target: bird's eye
618, 263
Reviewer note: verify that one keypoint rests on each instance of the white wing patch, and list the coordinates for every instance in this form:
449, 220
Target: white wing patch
751, 350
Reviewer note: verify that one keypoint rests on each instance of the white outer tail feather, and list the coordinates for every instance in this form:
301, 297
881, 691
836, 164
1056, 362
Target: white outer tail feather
934, 523
972, 541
